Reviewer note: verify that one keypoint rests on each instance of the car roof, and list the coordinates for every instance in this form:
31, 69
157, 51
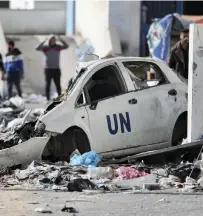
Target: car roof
117, 58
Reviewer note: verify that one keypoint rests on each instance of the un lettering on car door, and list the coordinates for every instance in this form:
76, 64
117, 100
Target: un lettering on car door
118, 123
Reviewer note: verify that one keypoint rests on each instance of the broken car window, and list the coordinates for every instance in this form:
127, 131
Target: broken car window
144, 74
81, 99
105, 83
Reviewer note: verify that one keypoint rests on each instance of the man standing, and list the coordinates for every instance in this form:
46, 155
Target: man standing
179, 55
52, 68
1, 63
13, 69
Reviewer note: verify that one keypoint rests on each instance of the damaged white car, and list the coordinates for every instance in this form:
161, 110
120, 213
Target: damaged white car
117, 106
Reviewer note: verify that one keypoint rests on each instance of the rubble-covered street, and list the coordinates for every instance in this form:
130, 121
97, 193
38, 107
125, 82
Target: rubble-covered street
85, 171
23, 203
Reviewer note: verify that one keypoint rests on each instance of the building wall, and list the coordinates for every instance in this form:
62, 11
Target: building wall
125, 16
104, 22
92, 22
47, 17
50, 5
33, 22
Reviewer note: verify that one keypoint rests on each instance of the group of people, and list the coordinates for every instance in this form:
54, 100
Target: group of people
12, 66
13, 71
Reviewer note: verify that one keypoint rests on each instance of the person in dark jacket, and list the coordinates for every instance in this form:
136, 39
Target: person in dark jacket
179, 55
13, 69
52, 68
1, 63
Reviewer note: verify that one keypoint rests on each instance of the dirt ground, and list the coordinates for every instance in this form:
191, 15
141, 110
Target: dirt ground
24, 203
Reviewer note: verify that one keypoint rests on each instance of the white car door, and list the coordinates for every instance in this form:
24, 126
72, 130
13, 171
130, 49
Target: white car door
123, 122
161, 101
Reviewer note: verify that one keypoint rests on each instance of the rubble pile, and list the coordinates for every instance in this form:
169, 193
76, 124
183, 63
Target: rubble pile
18, 124
88, 175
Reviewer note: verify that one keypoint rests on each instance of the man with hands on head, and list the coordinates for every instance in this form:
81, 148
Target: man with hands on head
52, 65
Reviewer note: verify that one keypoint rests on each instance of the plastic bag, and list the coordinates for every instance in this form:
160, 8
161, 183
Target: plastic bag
87, 159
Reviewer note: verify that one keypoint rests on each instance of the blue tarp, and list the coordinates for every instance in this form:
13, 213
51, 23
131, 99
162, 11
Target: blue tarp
159, 34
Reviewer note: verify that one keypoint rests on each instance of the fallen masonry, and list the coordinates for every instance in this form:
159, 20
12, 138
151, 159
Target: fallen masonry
176, 168
182, 177
17, 123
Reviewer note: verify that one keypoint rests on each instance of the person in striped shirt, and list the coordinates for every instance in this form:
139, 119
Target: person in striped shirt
52, 68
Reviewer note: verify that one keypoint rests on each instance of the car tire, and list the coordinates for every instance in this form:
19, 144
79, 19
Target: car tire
80, 141
180, 130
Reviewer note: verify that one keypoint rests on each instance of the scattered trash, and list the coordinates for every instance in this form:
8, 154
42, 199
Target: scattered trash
128, 173
183, 170
87, 159
163, 200
184, 141
100, 172
61, 176
33, 98
18, 102
80, 184
69, 209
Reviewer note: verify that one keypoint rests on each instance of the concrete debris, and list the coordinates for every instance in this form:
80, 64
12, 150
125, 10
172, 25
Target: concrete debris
138, 181
43, 210
100, 172
33, 98
61, 176
17, 123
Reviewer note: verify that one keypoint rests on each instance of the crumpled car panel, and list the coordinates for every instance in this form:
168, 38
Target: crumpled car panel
23, 153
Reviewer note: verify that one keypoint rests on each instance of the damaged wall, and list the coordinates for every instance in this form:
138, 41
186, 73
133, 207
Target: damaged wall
125, 16
195, 110
43, 21
92, 22
106, 23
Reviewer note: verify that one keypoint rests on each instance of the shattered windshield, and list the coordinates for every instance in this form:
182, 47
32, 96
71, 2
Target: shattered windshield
83, 63
73, 81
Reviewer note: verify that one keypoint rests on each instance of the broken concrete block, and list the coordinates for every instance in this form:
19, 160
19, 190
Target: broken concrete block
22, 175
140, 181
43, 210
200, 182
166, 183
160, 172
190, 181
174, 178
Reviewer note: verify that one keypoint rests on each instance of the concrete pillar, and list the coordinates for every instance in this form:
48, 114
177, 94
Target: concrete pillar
195, 83
125, 17
70, 17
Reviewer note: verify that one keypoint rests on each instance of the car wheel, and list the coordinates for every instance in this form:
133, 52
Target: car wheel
80, 141
180, 130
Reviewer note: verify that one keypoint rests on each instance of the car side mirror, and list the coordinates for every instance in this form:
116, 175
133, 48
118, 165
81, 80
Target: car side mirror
93, 105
